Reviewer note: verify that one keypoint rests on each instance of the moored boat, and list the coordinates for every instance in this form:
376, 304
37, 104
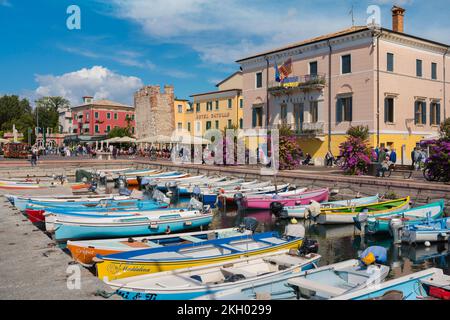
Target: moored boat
190, 283
432, 230
85, 251
317, 284
347, 214
152, 223
299, 211
379, 223
409, 287
146, 261
265, 201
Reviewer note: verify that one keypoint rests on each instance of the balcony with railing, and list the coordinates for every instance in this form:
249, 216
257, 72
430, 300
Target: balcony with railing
311, 129
305, 82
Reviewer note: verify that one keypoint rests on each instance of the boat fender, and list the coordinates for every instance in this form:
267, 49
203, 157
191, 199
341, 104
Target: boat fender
374, 254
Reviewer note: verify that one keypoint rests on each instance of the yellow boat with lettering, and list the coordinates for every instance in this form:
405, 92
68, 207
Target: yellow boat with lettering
158, 259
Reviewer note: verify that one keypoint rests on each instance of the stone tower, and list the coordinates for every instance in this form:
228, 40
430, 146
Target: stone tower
154, 111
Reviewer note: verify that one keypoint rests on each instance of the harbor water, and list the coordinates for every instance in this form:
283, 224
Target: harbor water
341, 242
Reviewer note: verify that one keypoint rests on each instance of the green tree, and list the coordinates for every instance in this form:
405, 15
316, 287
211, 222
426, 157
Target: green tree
16, 111
46, 111
119, 132
361, 132
445, 129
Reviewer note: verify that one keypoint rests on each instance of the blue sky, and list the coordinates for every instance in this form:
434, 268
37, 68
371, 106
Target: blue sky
192, 44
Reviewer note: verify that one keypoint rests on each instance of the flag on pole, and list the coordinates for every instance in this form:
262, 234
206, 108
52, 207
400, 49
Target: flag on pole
277, 73
286, 68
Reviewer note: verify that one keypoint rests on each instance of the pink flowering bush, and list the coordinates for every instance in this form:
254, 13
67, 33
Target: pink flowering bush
437, 166
356, 153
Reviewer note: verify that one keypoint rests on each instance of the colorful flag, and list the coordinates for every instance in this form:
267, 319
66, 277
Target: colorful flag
286, 68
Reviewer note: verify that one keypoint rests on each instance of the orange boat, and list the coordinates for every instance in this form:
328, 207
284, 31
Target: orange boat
84, 252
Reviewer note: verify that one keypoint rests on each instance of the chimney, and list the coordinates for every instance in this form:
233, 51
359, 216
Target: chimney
87, 99
397, 19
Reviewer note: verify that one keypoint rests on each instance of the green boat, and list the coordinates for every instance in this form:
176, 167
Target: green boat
348, 214
380, 223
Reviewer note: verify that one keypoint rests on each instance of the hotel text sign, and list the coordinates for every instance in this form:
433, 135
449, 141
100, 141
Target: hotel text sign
212, 116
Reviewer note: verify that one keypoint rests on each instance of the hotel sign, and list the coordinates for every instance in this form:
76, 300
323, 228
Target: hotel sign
212, 116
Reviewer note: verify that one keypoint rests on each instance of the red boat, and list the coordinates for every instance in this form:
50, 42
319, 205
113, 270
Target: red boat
35, 216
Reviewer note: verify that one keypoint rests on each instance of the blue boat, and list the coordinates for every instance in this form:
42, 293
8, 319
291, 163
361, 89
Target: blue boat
69, 227
432, 230
120, 206
190, 283
410, 287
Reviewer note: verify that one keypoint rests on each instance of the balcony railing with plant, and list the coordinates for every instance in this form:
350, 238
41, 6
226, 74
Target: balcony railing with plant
303, 82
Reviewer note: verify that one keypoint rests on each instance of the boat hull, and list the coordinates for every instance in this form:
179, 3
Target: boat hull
381, 223
64, 232
265, 202
348, 215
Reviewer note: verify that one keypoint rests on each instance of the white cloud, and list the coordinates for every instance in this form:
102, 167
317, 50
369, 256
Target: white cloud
124, 57
98, 81
224, 31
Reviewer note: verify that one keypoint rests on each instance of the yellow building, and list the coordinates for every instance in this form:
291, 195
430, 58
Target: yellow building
212, 110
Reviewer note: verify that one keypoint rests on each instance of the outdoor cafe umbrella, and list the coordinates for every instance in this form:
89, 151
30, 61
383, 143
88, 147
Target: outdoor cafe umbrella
187, 139
4, 140
126, 140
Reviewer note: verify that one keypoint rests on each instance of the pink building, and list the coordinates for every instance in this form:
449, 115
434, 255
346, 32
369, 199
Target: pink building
386, 79
96, 118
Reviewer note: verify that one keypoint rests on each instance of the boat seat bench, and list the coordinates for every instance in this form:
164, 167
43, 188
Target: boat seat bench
317, 287
191, 239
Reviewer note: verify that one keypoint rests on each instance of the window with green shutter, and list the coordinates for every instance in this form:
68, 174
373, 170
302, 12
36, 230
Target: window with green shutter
390, 62
434, 71
230, 103
389, 110
435, 113
420, 112
344, 109
346, 64
418, 68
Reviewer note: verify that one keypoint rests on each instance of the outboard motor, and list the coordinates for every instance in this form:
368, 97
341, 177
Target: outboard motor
124, 191
248, 224
197, 193
395, 228
239, 200
361, 221
308, 246
120, 182
142, 182
173, 189
159, 196
151, 187
102, 179
93, 186
276, 208
194, 204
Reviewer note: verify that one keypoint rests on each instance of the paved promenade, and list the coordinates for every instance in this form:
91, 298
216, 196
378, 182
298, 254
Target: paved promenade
32, 267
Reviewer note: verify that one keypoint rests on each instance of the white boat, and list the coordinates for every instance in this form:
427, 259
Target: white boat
190, 283
318, 284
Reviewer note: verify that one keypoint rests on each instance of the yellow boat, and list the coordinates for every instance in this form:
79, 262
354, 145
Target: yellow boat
346, 215
134, 263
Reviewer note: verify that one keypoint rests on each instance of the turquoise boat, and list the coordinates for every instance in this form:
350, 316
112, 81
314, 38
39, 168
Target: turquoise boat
410, 287
382, 223
68, 227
